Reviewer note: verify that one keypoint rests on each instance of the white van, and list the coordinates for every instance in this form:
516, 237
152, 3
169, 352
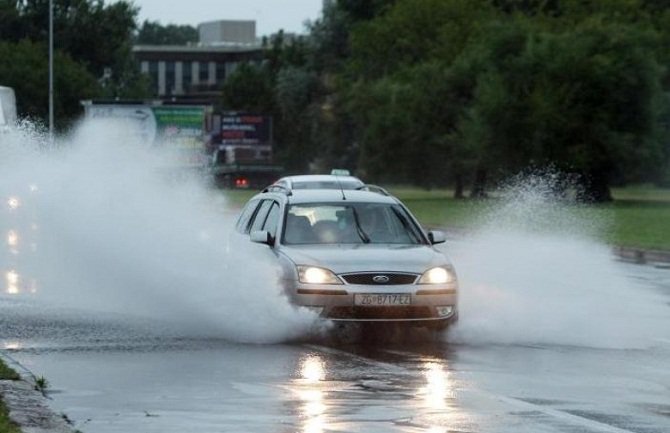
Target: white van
7, 107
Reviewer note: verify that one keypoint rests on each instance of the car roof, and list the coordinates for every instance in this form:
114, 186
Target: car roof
303, 196
319, 178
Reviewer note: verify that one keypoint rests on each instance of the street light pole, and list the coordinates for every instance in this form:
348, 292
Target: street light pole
51, 71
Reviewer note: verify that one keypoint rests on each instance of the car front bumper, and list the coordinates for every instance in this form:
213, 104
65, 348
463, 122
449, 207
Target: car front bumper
336, 302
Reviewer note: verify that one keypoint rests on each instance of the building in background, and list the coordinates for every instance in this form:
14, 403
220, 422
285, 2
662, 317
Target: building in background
198, 71
238, 145
227, 32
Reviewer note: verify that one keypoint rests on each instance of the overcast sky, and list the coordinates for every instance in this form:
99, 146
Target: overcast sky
270, 15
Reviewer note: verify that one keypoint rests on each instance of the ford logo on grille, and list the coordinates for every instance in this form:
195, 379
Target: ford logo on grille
380, 279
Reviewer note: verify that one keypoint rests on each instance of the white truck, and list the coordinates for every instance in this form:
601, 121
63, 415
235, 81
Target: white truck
7, 108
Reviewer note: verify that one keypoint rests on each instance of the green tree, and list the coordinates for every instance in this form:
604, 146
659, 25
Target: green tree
410, 95
530, 7
492, 88
329, 39
92, 33
154, 33
437, 91
413, 31
249, 88
25, 68
294, 95
11, 23
584, 99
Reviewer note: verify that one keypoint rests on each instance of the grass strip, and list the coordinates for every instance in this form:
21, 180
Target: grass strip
638, 217
6, 425
7, 373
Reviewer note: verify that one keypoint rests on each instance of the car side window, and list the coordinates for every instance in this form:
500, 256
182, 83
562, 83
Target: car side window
259, 219
272, 220
245, 216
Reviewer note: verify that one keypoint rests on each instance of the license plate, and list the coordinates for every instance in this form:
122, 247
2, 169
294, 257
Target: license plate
382, 299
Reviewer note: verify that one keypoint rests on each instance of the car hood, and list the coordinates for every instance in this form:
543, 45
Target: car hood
362, 258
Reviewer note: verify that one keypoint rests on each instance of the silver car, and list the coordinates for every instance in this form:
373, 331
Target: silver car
354, 255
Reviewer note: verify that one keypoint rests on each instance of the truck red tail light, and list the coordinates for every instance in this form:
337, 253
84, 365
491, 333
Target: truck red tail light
241, 182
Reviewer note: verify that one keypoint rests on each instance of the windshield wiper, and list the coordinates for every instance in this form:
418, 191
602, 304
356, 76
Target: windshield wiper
361, 233
406, 225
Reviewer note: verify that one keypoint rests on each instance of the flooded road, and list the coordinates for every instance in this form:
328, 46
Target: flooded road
113, 373
554, 336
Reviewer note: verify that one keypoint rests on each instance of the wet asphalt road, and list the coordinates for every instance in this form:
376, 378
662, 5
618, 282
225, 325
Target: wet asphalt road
111, 374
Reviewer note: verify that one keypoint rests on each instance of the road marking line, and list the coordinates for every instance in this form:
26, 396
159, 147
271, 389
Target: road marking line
565, 416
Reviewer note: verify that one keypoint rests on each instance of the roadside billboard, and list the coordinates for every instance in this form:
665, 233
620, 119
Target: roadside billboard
176, 127
240, 128
140, 118
181, 126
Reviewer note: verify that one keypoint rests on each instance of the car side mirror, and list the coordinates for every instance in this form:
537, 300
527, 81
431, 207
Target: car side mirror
261, 237
436, 237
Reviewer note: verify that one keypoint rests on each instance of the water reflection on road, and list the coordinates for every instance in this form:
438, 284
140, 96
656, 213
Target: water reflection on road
309, 388
19, 243
352, 387
114, 374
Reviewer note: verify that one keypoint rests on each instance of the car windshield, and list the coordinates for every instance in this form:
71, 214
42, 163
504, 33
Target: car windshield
351, 223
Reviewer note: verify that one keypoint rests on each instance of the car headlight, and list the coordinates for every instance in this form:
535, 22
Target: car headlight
314, 275
439, 275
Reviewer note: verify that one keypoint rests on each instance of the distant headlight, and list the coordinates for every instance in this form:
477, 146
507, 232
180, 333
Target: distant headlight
314, 275
440, 275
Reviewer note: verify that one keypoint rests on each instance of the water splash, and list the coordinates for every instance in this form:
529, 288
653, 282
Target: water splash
112, 230
536, 272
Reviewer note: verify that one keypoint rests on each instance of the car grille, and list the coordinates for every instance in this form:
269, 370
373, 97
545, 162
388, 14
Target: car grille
368, 278
390, 313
